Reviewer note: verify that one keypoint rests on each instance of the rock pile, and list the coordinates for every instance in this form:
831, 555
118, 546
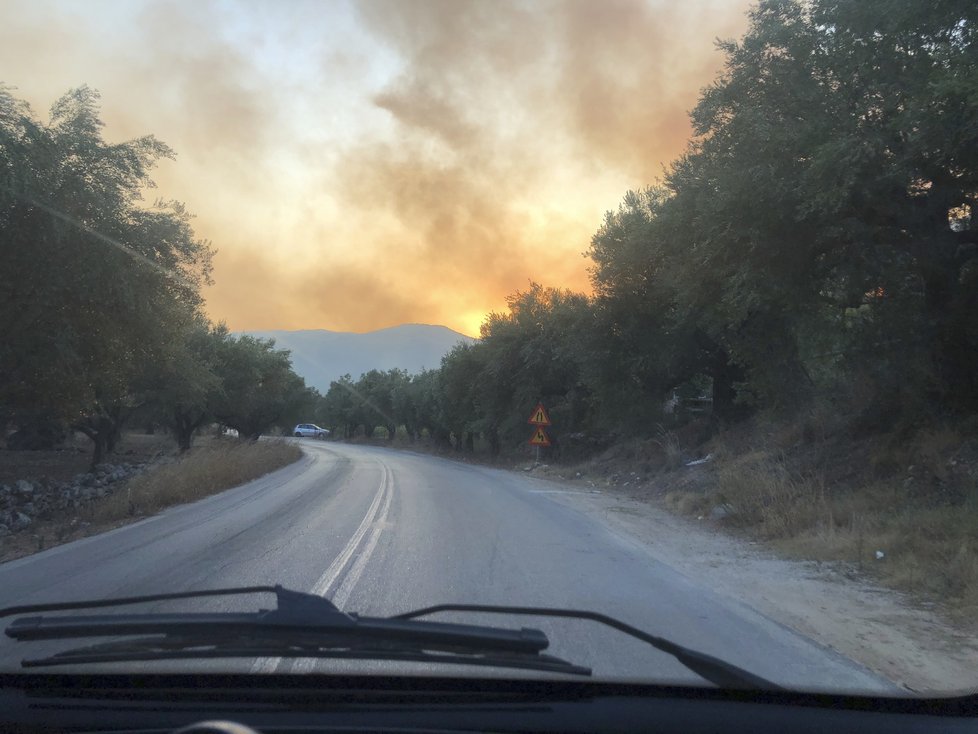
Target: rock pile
26, 501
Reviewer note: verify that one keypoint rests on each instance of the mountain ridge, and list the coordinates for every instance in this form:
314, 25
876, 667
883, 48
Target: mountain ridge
321, 355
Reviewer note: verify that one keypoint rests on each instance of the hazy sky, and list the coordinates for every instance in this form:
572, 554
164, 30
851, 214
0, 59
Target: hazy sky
364, 164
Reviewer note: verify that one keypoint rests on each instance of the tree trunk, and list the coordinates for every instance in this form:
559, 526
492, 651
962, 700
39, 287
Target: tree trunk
185, 425
112, 439
98, 428
443, 439
951, 310
183, 432
725, 374
492, 435
98, 452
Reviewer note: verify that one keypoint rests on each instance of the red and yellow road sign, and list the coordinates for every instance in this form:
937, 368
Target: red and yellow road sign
540, 437
539, 416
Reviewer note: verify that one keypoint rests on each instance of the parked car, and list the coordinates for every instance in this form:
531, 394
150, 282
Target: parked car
309, 430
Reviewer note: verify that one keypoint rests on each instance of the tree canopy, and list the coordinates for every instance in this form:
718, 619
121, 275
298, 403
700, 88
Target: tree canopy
100, 292
815, 241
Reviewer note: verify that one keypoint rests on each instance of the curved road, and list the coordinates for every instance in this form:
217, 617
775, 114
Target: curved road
380, 531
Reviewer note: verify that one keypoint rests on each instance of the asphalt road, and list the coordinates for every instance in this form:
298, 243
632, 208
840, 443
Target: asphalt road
381, 532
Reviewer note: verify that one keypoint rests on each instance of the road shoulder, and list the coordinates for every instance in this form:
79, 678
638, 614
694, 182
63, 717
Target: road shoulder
876, 627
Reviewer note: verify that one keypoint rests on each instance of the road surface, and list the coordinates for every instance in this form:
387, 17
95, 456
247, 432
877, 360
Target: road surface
381, 531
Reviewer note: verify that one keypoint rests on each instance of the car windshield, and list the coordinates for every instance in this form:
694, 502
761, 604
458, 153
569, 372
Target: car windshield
651, 322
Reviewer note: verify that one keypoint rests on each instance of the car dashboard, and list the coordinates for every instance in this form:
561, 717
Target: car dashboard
320, 703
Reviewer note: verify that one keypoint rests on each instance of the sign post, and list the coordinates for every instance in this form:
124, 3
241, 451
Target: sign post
539, 419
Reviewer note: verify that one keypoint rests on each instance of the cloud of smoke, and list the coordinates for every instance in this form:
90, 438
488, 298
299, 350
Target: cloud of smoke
362, 166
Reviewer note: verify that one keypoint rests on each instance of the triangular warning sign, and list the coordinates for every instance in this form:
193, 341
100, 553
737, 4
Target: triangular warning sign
539, 416
540, 437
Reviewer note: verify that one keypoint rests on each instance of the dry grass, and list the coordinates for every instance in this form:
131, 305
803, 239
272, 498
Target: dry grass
672, 451
213, 465
768, 497
925, 526
930, 550
206, 470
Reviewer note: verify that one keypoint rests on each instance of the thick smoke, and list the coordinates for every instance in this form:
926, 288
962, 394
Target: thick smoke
418, 169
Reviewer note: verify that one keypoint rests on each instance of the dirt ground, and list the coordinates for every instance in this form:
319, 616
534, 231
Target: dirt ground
62, 465
905, 642
103, 514
75, 458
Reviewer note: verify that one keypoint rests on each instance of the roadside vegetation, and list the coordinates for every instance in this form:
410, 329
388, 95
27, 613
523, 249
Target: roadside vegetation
903, 511
218, 465
167, 477
813, 248
104, 334
100, 297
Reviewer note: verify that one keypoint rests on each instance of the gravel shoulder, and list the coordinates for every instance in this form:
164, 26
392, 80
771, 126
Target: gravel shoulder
879, 628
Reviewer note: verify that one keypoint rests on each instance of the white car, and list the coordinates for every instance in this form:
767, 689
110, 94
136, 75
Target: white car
309, 430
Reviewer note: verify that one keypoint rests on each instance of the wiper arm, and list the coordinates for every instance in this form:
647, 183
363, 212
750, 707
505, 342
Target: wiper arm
302, 625
715, 670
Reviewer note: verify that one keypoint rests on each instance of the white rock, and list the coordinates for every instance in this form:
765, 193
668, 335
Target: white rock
720, 511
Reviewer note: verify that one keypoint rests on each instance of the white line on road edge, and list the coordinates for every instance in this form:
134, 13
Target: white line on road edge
375, 517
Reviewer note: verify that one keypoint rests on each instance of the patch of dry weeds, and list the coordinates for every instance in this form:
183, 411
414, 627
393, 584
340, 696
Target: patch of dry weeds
202, 472
918, 535
211, 467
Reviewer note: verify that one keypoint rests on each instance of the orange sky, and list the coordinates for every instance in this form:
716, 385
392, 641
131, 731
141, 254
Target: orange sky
364, 164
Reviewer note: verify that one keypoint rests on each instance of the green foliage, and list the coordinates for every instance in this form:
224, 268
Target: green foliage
183, 386
377, 399
259, 390
487, 389
804, 242
815, 240
100, 303
829, 158
93, 285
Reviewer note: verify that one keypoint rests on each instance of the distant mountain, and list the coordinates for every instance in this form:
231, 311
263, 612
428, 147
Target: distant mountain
322, 356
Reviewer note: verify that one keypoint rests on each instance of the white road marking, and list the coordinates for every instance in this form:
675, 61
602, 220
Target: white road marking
563, 491
342, 594
374, 521
331, 574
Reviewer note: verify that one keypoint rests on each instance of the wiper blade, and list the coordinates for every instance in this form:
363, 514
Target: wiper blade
190, 648
302, 625
309, 625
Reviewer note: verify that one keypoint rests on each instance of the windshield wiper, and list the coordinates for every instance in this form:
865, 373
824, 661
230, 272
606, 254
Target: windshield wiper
715, 670
301, 625
306, 625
